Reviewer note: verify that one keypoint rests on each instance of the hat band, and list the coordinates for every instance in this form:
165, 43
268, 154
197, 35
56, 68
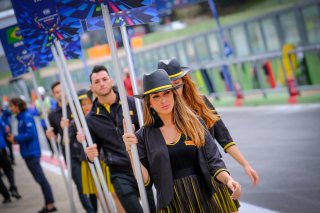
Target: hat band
175, 75
82, 96
157, 88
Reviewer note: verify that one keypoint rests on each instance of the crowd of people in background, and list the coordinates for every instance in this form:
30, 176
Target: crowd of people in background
176, 144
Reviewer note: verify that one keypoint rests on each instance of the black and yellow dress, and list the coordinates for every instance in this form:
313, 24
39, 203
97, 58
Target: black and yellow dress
182, 173
189, 190
89, 186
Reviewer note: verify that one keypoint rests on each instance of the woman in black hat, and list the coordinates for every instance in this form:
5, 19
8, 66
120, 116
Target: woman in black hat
201, 106
177, 152
79, 171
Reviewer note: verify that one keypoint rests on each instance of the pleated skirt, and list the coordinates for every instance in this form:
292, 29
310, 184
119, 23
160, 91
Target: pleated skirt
88, 184
223, 197
190, 196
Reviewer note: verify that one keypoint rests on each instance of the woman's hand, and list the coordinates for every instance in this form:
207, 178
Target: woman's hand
235, 187
129, 139
253, 175
237, 155
92, 152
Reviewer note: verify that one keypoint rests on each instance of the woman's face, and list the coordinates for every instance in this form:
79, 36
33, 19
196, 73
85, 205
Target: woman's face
86, 105
162, 102
13, 108
178, 83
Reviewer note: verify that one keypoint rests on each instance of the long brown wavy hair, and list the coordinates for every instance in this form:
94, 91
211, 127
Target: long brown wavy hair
184, 119
194, 100
18, 102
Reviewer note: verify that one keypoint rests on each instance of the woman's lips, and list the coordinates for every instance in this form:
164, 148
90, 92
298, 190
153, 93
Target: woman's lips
165, 107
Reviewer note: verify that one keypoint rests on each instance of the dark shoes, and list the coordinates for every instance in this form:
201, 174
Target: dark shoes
6, 200
15, 193
45, 210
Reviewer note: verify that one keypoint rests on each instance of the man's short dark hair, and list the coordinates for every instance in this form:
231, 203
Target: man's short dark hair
98, 68
90, 94
54, 85
21, 104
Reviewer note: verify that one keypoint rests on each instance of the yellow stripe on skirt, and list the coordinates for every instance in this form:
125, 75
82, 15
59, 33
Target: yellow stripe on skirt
189, 196
88, 185
223, 198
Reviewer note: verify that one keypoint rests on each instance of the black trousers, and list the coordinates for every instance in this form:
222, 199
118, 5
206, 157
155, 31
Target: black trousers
3, 190
11, 154
127, 190
5, 164
34, 166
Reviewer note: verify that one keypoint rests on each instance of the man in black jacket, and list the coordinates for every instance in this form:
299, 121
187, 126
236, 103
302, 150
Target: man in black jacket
105, 123
55, 117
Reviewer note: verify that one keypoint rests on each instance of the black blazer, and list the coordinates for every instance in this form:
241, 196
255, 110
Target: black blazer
154, 156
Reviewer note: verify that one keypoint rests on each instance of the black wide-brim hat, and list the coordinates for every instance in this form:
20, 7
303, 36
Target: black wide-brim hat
155, 82
173, 68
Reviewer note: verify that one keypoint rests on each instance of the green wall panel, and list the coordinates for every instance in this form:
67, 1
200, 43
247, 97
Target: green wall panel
313, 63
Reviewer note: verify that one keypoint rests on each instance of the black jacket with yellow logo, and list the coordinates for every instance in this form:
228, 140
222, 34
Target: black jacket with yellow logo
106, 129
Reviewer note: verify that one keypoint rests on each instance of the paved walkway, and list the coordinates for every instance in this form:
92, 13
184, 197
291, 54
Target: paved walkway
32, 199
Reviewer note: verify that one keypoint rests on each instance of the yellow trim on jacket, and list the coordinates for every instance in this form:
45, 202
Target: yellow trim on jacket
228, 145
218, 171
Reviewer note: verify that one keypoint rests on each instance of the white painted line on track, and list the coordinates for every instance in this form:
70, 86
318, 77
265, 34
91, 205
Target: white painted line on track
274, 108
249, 208
51, 168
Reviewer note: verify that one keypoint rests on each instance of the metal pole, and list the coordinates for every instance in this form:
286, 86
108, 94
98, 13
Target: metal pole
260, 80
137, 102
215, 15
53, 143
66, 143
83, 58
84, 145
126, 45
125, 107
239, 74
227, 49
85, 126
